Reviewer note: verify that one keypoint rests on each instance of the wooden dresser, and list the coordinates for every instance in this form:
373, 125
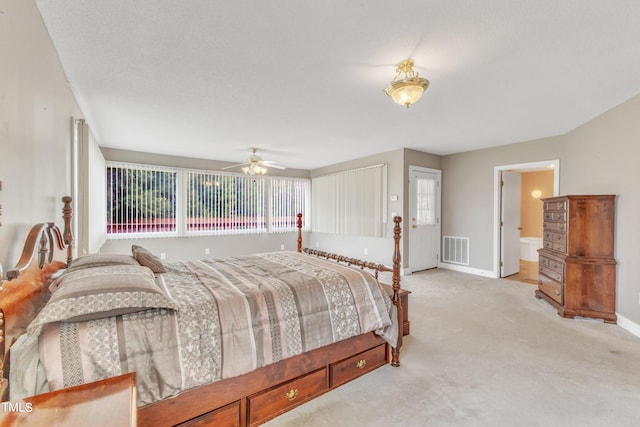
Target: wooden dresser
577, 271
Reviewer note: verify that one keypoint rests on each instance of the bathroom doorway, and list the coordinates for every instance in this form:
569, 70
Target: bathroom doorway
537, 180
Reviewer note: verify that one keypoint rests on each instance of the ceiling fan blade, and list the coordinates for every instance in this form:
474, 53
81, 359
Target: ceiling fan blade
234, 166
274, 165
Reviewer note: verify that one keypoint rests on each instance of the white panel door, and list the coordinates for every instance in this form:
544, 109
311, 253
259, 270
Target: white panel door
510, 221
424, 218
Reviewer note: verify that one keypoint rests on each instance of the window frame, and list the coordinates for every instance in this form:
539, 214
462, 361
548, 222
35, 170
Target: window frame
181, 203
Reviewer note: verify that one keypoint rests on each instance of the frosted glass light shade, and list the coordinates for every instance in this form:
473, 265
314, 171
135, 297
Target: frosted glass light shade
408, 90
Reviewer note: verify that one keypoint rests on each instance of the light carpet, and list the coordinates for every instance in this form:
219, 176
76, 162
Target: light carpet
486, 352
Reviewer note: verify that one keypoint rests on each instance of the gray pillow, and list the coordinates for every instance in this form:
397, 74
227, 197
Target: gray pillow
101, 260
100, 292
146, 258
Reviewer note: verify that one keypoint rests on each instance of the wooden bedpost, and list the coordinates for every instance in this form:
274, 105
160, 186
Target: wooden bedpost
299, 225
66, 234
395, 351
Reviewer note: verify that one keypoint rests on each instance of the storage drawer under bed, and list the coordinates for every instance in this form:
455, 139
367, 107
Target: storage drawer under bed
353, 367
265, 405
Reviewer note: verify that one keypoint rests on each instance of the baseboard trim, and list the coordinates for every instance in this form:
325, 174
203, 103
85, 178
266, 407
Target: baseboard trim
470, 270
629, 325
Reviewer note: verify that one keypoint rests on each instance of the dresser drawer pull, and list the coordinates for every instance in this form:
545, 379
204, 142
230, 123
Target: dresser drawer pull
558, 277
291, 394
361, 364
557, 292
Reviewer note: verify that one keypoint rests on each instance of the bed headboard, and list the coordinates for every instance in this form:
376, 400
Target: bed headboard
23, 293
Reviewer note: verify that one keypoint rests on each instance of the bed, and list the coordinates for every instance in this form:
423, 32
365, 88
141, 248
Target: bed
229, 341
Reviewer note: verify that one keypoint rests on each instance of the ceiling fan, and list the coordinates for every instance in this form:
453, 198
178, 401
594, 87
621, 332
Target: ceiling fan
255, 165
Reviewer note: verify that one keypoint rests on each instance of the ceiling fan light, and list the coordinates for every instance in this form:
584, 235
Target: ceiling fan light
254, 169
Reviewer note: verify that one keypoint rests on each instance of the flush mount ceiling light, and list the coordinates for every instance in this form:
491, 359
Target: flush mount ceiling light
408, 90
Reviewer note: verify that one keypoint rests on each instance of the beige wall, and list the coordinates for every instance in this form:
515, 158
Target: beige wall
531, 206
468, 192
596, 158
36, 108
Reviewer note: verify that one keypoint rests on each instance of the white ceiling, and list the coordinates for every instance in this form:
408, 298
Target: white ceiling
302, 80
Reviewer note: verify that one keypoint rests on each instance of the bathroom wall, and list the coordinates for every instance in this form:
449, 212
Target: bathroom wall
534, 186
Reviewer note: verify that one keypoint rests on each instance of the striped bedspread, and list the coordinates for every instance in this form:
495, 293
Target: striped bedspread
235, 315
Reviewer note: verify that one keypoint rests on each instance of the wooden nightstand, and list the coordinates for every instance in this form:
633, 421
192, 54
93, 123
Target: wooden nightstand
109, 403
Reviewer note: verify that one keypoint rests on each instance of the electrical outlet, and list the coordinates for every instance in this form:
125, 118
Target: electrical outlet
207, 251
163, 255
317, 244
366, 251
282, 247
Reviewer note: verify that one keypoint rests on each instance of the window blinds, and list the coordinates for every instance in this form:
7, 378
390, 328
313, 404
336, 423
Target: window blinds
232, 203
352, 202
140, 199
159, 201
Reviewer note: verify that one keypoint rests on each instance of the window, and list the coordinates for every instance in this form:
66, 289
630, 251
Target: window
426, 201
217, 202
140, 199
147, 200
351, 202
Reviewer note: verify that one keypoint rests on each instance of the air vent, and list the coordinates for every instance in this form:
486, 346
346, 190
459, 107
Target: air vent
455, 250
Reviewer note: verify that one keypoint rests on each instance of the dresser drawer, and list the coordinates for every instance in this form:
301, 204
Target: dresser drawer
267, 404
551, 267
558, 246
227, 416
554, 226
552, 288
555, 275
559, 205
554, 240
357, 365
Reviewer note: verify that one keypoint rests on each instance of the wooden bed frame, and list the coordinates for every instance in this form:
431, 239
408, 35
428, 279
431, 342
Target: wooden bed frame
249, 399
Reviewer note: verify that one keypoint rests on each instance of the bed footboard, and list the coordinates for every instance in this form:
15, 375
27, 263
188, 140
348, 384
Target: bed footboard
377, 268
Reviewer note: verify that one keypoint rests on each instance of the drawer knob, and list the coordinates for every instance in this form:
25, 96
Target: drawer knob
557, 292
291, 394
361, 364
